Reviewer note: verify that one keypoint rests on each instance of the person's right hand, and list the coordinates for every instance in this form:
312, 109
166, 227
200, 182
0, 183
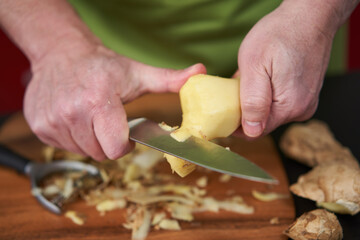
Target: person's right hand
75, 98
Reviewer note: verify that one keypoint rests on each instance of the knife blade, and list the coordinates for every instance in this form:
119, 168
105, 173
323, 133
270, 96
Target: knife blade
197, 151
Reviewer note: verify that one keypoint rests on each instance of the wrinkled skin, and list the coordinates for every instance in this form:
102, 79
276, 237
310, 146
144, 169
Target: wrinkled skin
75, 99
282, 63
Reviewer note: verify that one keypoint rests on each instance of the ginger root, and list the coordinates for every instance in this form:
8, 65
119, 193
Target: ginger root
334, 182
313, 143
317, 224
211, 109
180, 166
210, 106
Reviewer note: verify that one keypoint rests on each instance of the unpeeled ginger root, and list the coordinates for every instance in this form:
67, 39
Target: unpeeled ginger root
313, 144
334, 182
211, 109
334, 186
317, 224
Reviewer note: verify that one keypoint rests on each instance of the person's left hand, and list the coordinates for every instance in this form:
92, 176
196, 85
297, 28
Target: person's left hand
282, 62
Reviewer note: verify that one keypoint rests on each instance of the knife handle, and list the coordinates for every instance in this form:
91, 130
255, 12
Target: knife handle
10, 159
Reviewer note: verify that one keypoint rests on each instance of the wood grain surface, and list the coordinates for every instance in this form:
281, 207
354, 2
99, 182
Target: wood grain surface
21, 217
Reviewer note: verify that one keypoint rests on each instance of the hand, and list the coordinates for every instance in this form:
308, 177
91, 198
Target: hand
75, 99
282, 62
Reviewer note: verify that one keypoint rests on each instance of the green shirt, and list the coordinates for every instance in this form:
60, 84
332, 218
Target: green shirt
178, 33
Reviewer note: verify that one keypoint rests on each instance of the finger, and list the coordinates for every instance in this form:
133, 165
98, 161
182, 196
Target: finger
255, 96
83, 134
68, 143
75, 120
57, 127
49, 141
112, 131
159, 80
61, 141
55, 134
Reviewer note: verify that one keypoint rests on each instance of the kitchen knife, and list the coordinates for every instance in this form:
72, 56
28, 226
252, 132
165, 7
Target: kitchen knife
197, 151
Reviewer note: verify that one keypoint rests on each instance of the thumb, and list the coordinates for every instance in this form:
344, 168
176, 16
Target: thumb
255, 99
159, 80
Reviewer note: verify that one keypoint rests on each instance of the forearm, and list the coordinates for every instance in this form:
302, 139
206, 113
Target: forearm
325, 15
37, 26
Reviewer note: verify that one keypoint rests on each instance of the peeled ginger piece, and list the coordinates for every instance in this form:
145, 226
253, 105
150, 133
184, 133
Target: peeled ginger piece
180, 166
210, 106
211, 109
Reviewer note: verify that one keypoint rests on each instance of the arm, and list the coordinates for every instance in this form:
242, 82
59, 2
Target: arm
38, 26
75, 98
283, 60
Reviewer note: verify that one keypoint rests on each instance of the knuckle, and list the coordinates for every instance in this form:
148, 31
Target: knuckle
39, 127
92, 100
67, 113
44, 135
52, 122
73, 110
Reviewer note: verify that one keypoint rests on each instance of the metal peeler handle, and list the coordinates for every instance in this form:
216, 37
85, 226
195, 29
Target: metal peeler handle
8, 158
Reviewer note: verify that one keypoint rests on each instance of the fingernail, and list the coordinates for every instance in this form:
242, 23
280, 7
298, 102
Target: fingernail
253, 129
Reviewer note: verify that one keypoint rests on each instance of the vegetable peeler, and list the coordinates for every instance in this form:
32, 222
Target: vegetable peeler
38, 171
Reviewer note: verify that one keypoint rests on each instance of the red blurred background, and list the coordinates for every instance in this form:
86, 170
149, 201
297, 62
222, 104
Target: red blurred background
15, 69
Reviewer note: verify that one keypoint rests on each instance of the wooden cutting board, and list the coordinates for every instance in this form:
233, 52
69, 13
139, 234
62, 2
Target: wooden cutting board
21, 217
